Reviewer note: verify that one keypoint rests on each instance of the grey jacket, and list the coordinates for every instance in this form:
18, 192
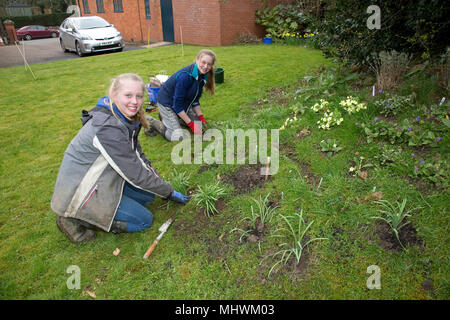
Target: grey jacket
103, 155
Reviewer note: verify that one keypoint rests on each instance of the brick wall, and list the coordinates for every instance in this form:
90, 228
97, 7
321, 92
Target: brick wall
199, 20
132, 22
203, 22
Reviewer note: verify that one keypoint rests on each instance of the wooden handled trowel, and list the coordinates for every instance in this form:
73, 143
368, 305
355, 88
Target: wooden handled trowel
163, 230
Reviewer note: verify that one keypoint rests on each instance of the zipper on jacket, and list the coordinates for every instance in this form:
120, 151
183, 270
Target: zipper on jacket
198, 86
90, 196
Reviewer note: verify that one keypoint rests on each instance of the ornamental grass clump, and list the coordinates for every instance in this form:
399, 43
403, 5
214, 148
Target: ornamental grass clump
297, 228
394, 214
180, 180
389, 68
260, 217
206, 197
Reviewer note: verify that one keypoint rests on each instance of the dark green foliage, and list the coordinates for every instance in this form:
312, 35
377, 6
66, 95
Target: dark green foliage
282, 19
416, 26
46, 20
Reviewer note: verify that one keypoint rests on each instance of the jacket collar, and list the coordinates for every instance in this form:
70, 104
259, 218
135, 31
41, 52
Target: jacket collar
105, 102
195, 73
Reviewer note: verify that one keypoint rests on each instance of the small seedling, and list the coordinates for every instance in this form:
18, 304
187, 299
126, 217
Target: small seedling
330, 146
394, 215
359, 165
298, 231
207, 196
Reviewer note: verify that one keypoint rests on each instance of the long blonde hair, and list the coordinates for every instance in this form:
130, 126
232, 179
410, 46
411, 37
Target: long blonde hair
115, 86
211, 84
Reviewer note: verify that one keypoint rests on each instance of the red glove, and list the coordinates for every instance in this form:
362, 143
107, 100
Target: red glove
202, 119
195, 128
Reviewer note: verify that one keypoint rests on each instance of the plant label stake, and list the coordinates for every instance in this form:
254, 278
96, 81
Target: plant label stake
267, 168
163, 230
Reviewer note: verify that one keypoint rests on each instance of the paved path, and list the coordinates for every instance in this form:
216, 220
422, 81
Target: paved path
46, 50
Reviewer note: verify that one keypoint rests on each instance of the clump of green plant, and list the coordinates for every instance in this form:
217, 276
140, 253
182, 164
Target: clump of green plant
297, 228
330, 146
258, 218
414, 133
391, 106
357, 169
264, 213
434, 170
179, 180
206, 197
281, 19
394, 214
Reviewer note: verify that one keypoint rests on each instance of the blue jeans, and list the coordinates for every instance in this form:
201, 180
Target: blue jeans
132, 208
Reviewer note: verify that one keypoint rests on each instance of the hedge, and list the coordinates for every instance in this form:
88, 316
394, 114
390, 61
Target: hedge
47, 20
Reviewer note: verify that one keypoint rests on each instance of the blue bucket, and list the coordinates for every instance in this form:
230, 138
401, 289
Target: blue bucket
267, 40
152, 92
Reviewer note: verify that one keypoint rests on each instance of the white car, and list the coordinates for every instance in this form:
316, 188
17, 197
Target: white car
88, 35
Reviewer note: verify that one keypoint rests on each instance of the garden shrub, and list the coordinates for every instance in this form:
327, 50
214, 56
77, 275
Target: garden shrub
46, 20
389, 67
282, 19
419, 27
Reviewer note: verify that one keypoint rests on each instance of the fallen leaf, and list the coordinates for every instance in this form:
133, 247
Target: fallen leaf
91, 294
363, 175
116, 252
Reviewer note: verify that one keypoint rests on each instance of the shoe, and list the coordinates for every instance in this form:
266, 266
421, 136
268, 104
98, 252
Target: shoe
156, 125
119, 226
150, 132
74, 230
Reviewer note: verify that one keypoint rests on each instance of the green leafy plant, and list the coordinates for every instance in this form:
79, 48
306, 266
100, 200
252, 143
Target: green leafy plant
297, 227
330, 147
391, 106
394, 214
179, 180
206, 197
282, 19
264, 211
434, 170
356, 170
264, 214
330, 119
351, 105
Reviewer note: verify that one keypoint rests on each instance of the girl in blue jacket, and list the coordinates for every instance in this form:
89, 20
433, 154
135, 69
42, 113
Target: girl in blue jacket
178, 99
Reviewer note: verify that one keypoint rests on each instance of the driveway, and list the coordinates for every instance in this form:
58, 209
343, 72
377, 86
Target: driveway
39, 51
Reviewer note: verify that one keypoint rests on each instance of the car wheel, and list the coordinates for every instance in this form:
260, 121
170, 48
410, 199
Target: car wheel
54, 35
62, 46
28, 37
78, 48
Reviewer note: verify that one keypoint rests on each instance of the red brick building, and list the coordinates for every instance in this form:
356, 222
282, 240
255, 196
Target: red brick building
200, 22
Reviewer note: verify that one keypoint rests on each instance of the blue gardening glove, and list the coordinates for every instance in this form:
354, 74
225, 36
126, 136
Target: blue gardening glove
178, 197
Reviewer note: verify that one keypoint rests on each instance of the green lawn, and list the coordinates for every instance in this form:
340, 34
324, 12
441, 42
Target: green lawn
201, 257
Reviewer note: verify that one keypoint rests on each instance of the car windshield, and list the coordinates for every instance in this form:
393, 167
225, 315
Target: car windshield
91, 23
